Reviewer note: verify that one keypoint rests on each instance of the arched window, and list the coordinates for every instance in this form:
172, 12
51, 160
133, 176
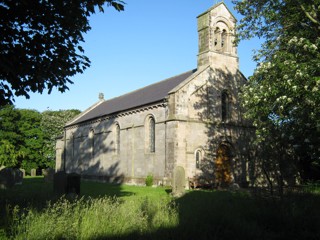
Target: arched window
152, 135
224, 39
225, 106
198, 158
91, 139
117, 139
216, 36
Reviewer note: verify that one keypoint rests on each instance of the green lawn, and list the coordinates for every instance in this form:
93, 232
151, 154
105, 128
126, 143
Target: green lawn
129, 212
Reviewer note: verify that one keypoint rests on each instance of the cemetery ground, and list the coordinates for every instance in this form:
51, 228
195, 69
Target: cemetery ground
105, 211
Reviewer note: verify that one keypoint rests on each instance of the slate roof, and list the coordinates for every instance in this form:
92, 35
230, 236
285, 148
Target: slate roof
141, 97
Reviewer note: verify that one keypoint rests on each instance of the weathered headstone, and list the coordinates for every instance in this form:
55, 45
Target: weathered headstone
60, 183
179, 181
33, 172
23, 172
48, 174
234, 187
6, 178
18, 176
9, 177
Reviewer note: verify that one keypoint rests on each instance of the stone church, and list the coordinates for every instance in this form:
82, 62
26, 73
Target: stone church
192, 121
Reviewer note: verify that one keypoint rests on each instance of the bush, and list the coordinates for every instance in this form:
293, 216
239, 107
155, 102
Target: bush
149, 180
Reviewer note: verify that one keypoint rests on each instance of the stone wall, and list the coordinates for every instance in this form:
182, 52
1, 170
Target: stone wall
91, 150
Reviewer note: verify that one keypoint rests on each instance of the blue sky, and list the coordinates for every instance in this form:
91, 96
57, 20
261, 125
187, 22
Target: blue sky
148, 42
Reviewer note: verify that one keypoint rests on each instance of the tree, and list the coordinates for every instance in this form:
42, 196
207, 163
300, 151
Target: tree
21, 138
8, 154
10, 138
40, 44
282, 97
32, 137
52, 124
28, 137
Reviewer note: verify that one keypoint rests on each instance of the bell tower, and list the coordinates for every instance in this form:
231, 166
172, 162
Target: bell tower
216, 29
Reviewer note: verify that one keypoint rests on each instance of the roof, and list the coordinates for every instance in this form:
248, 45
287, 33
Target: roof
141, 97
217, 5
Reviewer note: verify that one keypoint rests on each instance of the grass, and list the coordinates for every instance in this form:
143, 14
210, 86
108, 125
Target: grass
107, 211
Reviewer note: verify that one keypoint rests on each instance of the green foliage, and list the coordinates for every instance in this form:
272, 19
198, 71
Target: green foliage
10, 136
149, 180
41, 44
32, 139
28, 137
8, 154
282, 97
52, 123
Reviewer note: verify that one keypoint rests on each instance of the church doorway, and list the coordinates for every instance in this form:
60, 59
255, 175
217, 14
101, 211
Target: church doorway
223, 162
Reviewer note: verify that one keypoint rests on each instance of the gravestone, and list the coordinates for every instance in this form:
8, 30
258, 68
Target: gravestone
64, 183
23, 172
6, 178
18, 176
48, 174
73, 183
60, 183
179, 181
234, 187
9, 177
33, 172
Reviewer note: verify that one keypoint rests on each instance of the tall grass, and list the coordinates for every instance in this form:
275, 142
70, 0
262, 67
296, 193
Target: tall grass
131, 212
96, 219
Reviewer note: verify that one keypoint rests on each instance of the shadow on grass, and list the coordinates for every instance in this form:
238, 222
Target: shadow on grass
227, 215
202, 214
97, 189
35, 193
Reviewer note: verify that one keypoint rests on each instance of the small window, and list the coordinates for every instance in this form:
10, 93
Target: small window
216, 36
198, 158
91, 139
152, 137
225, 106
224, 39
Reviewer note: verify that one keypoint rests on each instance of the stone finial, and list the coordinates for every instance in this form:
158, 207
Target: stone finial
101, 96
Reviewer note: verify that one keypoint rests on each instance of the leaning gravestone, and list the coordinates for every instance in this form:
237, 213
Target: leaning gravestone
33, 172
179, 181
48, 174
